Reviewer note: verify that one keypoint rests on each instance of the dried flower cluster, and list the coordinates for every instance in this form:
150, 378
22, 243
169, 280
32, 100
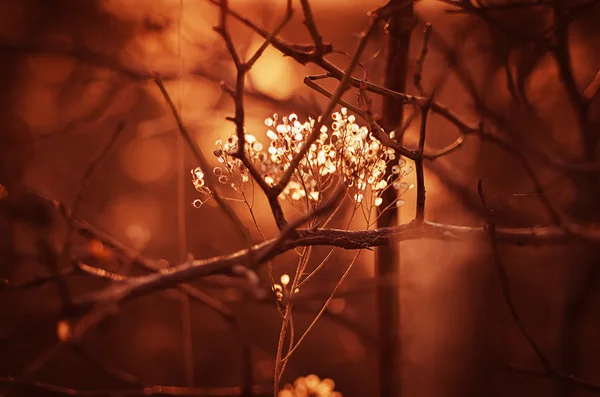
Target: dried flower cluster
346, 151
310, 386
282, 290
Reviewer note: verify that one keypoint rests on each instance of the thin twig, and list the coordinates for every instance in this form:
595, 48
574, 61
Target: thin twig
203, 164
154, 391
108, 368
418, 76
35, 282
420, 212
323, 308
65, 255
593, 88
309, 21
562, 378
238, 93
490, 227
339, 91
289, 12
504, 278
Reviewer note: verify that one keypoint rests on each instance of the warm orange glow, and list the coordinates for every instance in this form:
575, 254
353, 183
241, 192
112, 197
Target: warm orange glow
195, 98
337, 305
353, 349
32, 99
273, 74
136, 218
173, 34
63, 331
452, 320
96, 248
264, 369
137, 9
138, 233
49, 69
233, 295
147, 160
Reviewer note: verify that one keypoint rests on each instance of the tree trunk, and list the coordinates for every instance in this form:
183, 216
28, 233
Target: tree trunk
387, 258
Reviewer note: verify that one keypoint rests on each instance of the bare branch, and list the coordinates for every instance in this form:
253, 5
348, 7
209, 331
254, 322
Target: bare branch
167, 278
224, 32
341, 88
593, 88
203, 164
289, 12
35, 282
376, 129
65, 255
309, 21
418, 76
549, 369
505, 282
420, 212
562, 378
155, 391
238, 96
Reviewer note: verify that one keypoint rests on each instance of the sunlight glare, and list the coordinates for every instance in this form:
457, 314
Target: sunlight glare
273, 74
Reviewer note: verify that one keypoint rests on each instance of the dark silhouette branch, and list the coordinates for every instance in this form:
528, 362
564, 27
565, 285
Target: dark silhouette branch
347, 239
154, 391
549, 369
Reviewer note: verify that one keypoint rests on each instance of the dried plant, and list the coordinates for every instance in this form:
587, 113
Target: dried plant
313, 168
310, 386
348, 154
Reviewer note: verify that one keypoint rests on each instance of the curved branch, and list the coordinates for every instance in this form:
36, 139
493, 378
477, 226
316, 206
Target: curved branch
170, 277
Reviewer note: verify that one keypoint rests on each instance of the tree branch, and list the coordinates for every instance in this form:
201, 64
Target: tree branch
154, 391
203, 164
503, 276
348, 239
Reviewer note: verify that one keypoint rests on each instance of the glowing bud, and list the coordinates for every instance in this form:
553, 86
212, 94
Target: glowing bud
63, 331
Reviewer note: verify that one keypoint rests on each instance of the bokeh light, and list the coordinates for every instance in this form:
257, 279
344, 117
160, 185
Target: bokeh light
147, 160
195, 98
135, 218
273, 74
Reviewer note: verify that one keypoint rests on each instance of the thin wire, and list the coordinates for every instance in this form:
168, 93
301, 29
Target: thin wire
186, 315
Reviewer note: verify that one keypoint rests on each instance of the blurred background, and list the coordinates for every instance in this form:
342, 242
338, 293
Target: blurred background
72, 70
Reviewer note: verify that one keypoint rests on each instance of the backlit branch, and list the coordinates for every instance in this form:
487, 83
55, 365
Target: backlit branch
237, 94
203, 163
154, 391
347, 239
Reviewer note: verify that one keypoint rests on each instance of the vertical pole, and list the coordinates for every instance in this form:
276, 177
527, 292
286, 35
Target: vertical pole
186, 310
387, 258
